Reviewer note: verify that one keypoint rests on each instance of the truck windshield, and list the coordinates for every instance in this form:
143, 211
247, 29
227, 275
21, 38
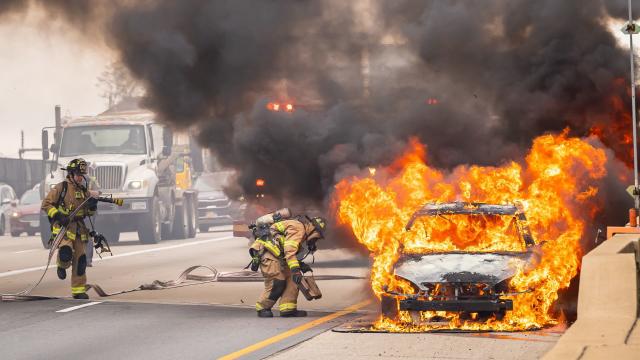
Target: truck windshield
103, 139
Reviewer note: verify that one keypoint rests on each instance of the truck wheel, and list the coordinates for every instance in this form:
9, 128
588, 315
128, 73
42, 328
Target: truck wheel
203, 228
181, 222
193, 217
166, 230
149, 230
389, 307
45, 231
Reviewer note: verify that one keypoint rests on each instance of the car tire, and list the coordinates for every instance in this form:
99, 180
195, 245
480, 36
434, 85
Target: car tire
3, 225
112, 236
181, 222
15, 233
193, 217
389, 307
203, 228
31, 233
150, 224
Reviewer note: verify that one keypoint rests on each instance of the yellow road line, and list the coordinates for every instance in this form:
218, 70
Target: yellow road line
294, 331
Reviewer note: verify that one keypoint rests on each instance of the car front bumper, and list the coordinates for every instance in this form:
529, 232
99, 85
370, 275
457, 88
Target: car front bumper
473, 305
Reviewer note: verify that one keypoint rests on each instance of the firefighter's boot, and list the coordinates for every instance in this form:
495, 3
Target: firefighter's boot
293, 313
81, 296
62, 273
265, 313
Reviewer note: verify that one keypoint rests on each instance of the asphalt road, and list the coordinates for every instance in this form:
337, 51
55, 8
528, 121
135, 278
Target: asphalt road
206, 320
116, 330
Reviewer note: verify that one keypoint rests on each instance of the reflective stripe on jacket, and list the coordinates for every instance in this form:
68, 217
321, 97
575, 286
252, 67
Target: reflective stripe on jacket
73, 198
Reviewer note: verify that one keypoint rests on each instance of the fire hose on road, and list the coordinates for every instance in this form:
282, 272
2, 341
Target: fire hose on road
186, 278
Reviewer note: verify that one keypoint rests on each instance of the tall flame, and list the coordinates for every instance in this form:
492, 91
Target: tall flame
555, 187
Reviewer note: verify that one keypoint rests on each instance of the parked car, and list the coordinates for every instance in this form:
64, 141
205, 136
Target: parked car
25, 214
214, 206
7, 196
462, 281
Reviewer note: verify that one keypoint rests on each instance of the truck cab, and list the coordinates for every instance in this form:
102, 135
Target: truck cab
133, 157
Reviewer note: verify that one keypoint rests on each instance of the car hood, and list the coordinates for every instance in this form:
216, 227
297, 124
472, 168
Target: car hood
28, 209
461, 267
212, 195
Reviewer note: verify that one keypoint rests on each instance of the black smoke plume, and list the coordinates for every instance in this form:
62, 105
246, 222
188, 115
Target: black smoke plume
474, 80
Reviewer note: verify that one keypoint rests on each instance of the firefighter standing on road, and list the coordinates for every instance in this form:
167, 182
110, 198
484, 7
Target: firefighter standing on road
58, 204
279, 263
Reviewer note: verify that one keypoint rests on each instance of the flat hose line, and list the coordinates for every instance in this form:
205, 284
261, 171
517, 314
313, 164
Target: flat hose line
215, 276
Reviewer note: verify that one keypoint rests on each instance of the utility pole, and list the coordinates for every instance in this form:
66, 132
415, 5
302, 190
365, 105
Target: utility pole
630, 29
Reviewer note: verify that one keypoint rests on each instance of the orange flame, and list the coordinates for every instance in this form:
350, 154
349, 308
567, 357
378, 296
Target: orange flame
553, 187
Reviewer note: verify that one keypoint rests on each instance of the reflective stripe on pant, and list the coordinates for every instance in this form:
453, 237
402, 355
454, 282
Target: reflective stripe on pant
78, 282
274, 273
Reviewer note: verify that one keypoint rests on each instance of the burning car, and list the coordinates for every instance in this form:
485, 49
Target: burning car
474, 284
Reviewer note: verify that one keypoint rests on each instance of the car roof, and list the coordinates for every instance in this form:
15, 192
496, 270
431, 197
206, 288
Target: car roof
475, 208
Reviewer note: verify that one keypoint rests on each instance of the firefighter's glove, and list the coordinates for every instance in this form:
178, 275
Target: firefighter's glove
296, 275
304, 267
61, 219
92, 203
255, 263
98, 240
255, 259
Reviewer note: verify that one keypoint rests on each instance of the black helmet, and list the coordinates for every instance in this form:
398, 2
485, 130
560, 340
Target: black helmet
77, 166
320, 224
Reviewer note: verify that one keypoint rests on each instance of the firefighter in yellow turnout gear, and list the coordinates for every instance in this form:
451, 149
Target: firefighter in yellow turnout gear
279, 263
58, 204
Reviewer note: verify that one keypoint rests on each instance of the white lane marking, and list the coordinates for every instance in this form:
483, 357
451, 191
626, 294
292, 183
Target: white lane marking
24, 251
38, 268
79, 307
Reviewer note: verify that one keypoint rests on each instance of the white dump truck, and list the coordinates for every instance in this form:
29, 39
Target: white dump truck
132, 157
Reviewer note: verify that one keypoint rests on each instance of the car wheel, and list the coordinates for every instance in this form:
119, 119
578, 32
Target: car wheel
31, 233
112, 236
3, 226
15, 233
389, 306
203, 228
149, 230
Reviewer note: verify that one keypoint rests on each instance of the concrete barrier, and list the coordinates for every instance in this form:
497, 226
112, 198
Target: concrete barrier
607, 304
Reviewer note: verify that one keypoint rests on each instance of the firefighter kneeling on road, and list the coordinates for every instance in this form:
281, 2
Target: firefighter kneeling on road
277, 255
58, 204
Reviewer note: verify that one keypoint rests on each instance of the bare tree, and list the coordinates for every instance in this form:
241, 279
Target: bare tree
117, 84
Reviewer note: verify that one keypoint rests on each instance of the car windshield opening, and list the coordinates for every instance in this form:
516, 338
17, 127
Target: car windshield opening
465, 232
104, 139
216, 181
30, 197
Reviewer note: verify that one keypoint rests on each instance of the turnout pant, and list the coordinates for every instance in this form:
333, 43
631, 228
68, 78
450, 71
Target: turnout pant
277, 285
71, 253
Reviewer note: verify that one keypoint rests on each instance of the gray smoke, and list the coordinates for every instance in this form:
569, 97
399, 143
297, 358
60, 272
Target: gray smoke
502, 72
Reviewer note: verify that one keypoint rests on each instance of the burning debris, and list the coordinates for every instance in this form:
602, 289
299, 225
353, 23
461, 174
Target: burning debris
555, 187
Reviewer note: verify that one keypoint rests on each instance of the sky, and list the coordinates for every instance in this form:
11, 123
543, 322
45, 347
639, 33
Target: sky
43, 64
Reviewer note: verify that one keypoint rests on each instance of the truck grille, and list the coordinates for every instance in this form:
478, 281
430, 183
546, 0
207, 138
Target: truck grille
109, 177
